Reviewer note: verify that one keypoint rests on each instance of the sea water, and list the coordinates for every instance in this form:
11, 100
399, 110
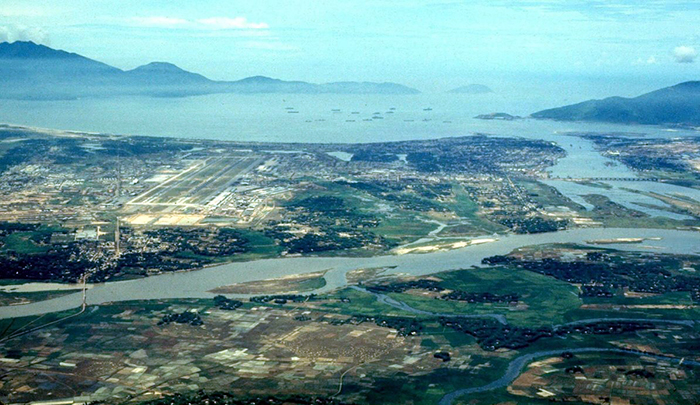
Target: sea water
332, 118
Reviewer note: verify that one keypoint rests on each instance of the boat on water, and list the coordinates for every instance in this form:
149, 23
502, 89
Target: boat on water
292, 112
335, 110
355, 112
428, 109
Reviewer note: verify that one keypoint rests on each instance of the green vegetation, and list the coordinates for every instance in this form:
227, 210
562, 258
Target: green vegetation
310, 284
14, 298
341, 226
430, 388
547, 196
348, 301
17, 326
465, 207
680, 298
404, 229
622, 370
26, 238
273, 204
225, 398
35, 252
22, 242
603, 275
543, 299
615, 215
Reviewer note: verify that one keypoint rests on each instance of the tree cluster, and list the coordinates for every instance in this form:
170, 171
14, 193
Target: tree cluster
187, 317
492, 335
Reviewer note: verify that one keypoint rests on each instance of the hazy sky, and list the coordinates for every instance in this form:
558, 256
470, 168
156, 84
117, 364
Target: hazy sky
428, 44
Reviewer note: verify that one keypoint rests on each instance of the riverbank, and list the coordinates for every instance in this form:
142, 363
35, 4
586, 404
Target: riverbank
198, 284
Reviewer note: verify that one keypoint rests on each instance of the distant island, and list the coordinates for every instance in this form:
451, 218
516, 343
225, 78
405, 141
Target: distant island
32, 71
677, 105
498, 116
472, 89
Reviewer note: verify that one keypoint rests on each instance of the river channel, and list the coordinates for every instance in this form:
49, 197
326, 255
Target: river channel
517, 365
199, 283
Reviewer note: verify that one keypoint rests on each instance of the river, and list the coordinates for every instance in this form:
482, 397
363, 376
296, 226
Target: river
197, 284
517, 365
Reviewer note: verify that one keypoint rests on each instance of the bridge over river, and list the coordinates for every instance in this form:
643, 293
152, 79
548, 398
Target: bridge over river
652, 179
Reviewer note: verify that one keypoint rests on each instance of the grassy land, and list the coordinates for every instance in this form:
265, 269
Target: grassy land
291, 284
546, 300
396, 224
617, 216
10, 326
360, 303
21, 242
466, 208
402, 225
602, 363
470, 366
545, 195
260, 245
687, 314
404, 229
672, 298
463, 206
430, 388
13, 298
28, 241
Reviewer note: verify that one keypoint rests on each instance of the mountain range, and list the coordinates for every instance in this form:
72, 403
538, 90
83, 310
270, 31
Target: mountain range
677, 105
32, 71
472, 89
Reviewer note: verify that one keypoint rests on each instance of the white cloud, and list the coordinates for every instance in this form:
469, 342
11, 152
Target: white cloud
648, 61
685, 54
213, 23
231, 23
159, 21
12, 33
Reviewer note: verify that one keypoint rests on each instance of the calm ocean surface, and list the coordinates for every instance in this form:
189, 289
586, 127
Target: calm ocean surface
267, 118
